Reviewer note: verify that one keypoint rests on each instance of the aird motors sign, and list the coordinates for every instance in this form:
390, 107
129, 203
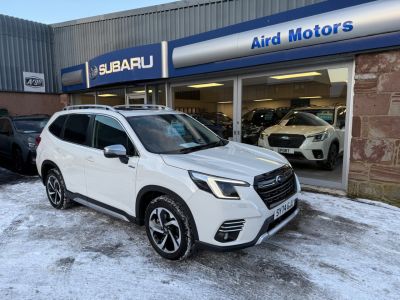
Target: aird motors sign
369, 19
34, 82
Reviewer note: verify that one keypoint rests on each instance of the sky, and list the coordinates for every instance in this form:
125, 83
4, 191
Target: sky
55, 11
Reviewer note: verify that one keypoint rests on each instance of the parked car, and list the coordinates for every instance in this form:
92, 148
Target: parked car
218, 122
18, 139
311, 133
220, 130
3, 112
165, 170
257, 120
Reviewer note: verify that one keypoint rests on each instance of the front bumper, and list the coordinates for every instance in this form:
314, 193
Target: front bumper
269, 228
211, 213
314, 151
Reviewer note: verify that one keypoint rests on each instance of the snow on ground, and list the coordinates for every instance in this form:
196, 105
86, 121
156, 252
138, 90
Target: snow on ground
335, 249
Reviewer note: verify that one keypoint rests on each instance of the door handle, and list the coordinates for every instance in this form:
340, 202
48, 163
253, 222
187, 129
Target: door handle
90, 159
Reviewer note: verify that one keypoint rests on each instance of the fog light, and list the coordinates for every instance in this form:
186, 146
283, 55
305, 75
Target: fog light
318, 154
229, 231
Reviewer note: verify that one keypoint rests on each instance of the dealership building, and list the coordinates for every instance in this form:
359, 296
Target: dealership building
224, 62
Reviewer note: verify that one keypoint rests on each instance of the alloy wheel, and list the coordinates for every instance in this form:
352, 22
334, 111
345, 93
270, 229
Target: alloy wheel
165, 230
54, 190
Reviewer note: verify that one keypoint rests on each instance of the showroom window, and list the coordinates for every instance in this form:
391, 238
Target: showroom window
211, 103
111, 97
84, 98
301, 115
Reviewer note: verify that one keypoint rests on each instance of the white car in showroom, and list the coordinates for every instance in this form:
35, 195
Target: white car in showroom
165, 170
311, 133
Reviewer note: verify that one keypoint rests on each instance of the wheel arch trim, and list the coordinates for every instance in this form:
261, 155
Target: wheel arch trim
42, 168
140, 201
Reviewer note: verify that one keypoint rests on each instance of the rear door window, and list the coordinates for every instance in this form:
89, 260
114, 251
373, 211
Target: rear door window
76, 128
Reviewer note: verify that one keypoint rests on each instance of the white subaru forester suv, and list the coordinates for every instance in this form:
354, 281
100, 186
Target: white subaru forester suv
309, 133
165, 170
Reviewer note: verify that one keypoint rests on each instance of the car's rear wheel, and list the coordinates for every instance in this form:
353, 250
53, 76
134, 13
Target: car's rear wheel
330, 162
56, 191
168, 228
18, 161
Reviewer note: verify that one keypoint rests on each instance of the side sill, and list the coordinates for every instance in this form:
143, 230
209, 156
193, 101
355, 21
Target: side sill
101, 207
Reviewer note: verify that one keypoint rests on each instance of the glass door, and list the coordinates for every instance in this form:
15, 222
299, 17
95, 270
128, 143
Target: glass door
136, 95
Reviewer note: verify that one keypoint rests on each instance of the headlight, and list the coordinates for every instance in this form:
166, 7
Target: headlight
222, 188
264, 135
319, 137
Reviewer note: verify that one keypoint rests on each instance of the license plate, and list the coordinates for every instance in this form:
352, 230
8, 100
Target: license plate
281, 210
285, 151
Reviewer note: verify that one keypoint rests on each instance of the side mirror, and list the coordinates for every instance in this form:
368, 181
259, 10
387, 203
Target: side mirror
114, 151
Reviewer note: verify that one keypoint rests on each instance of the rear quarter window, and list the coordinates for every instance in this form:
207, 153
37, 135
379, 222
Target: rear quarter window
57, 126
76, 128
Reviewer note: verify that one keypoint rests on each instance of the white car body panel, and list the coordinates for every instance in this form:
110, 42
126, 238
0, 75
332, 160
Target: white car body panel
86, 171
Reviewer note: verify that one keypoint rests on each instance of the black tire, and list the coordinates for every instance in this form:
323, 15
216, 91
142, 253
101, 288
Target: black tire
18, 161
179, 229
56, 191
330, 162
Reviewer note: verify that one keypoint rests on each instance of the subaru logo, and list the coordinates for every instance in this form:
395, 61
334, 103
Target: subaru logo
285, 137
279, 179
94, 71
34, 82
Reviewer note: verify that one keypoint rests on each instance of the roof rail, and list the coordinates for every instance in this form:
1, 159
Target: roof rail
142, 107
89, 106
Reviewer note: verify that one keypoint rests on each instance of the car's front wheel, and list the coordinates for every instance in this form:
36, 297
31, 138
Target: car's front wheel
56, 191
168, 228
330, 162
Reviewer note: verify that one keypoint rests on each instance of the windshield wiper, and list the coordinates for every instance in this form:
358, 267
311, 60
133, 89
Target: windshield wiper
202, 147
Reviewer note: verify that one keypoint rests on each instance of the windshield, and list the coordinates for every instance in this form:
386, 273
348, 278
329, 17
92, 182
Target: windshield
297, 118
173, 133
34, 125
259, 117
325, 114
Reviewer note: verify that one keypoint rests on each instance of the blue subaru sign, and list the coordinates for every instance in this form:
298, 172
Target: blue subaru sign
131, 64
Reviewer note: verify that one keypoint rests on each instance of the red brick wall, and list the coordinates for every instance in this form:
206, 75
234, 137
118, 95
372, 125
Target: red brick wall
32, 103
375, 147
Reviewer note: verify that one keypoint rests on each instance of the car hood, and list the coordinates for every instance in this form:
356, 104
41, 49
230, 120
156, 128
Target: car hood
304, 130
234, 161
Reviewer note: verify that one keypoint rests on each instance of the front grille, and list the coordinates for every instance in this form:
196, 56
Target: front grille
276, 186
229, 230
286, 140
